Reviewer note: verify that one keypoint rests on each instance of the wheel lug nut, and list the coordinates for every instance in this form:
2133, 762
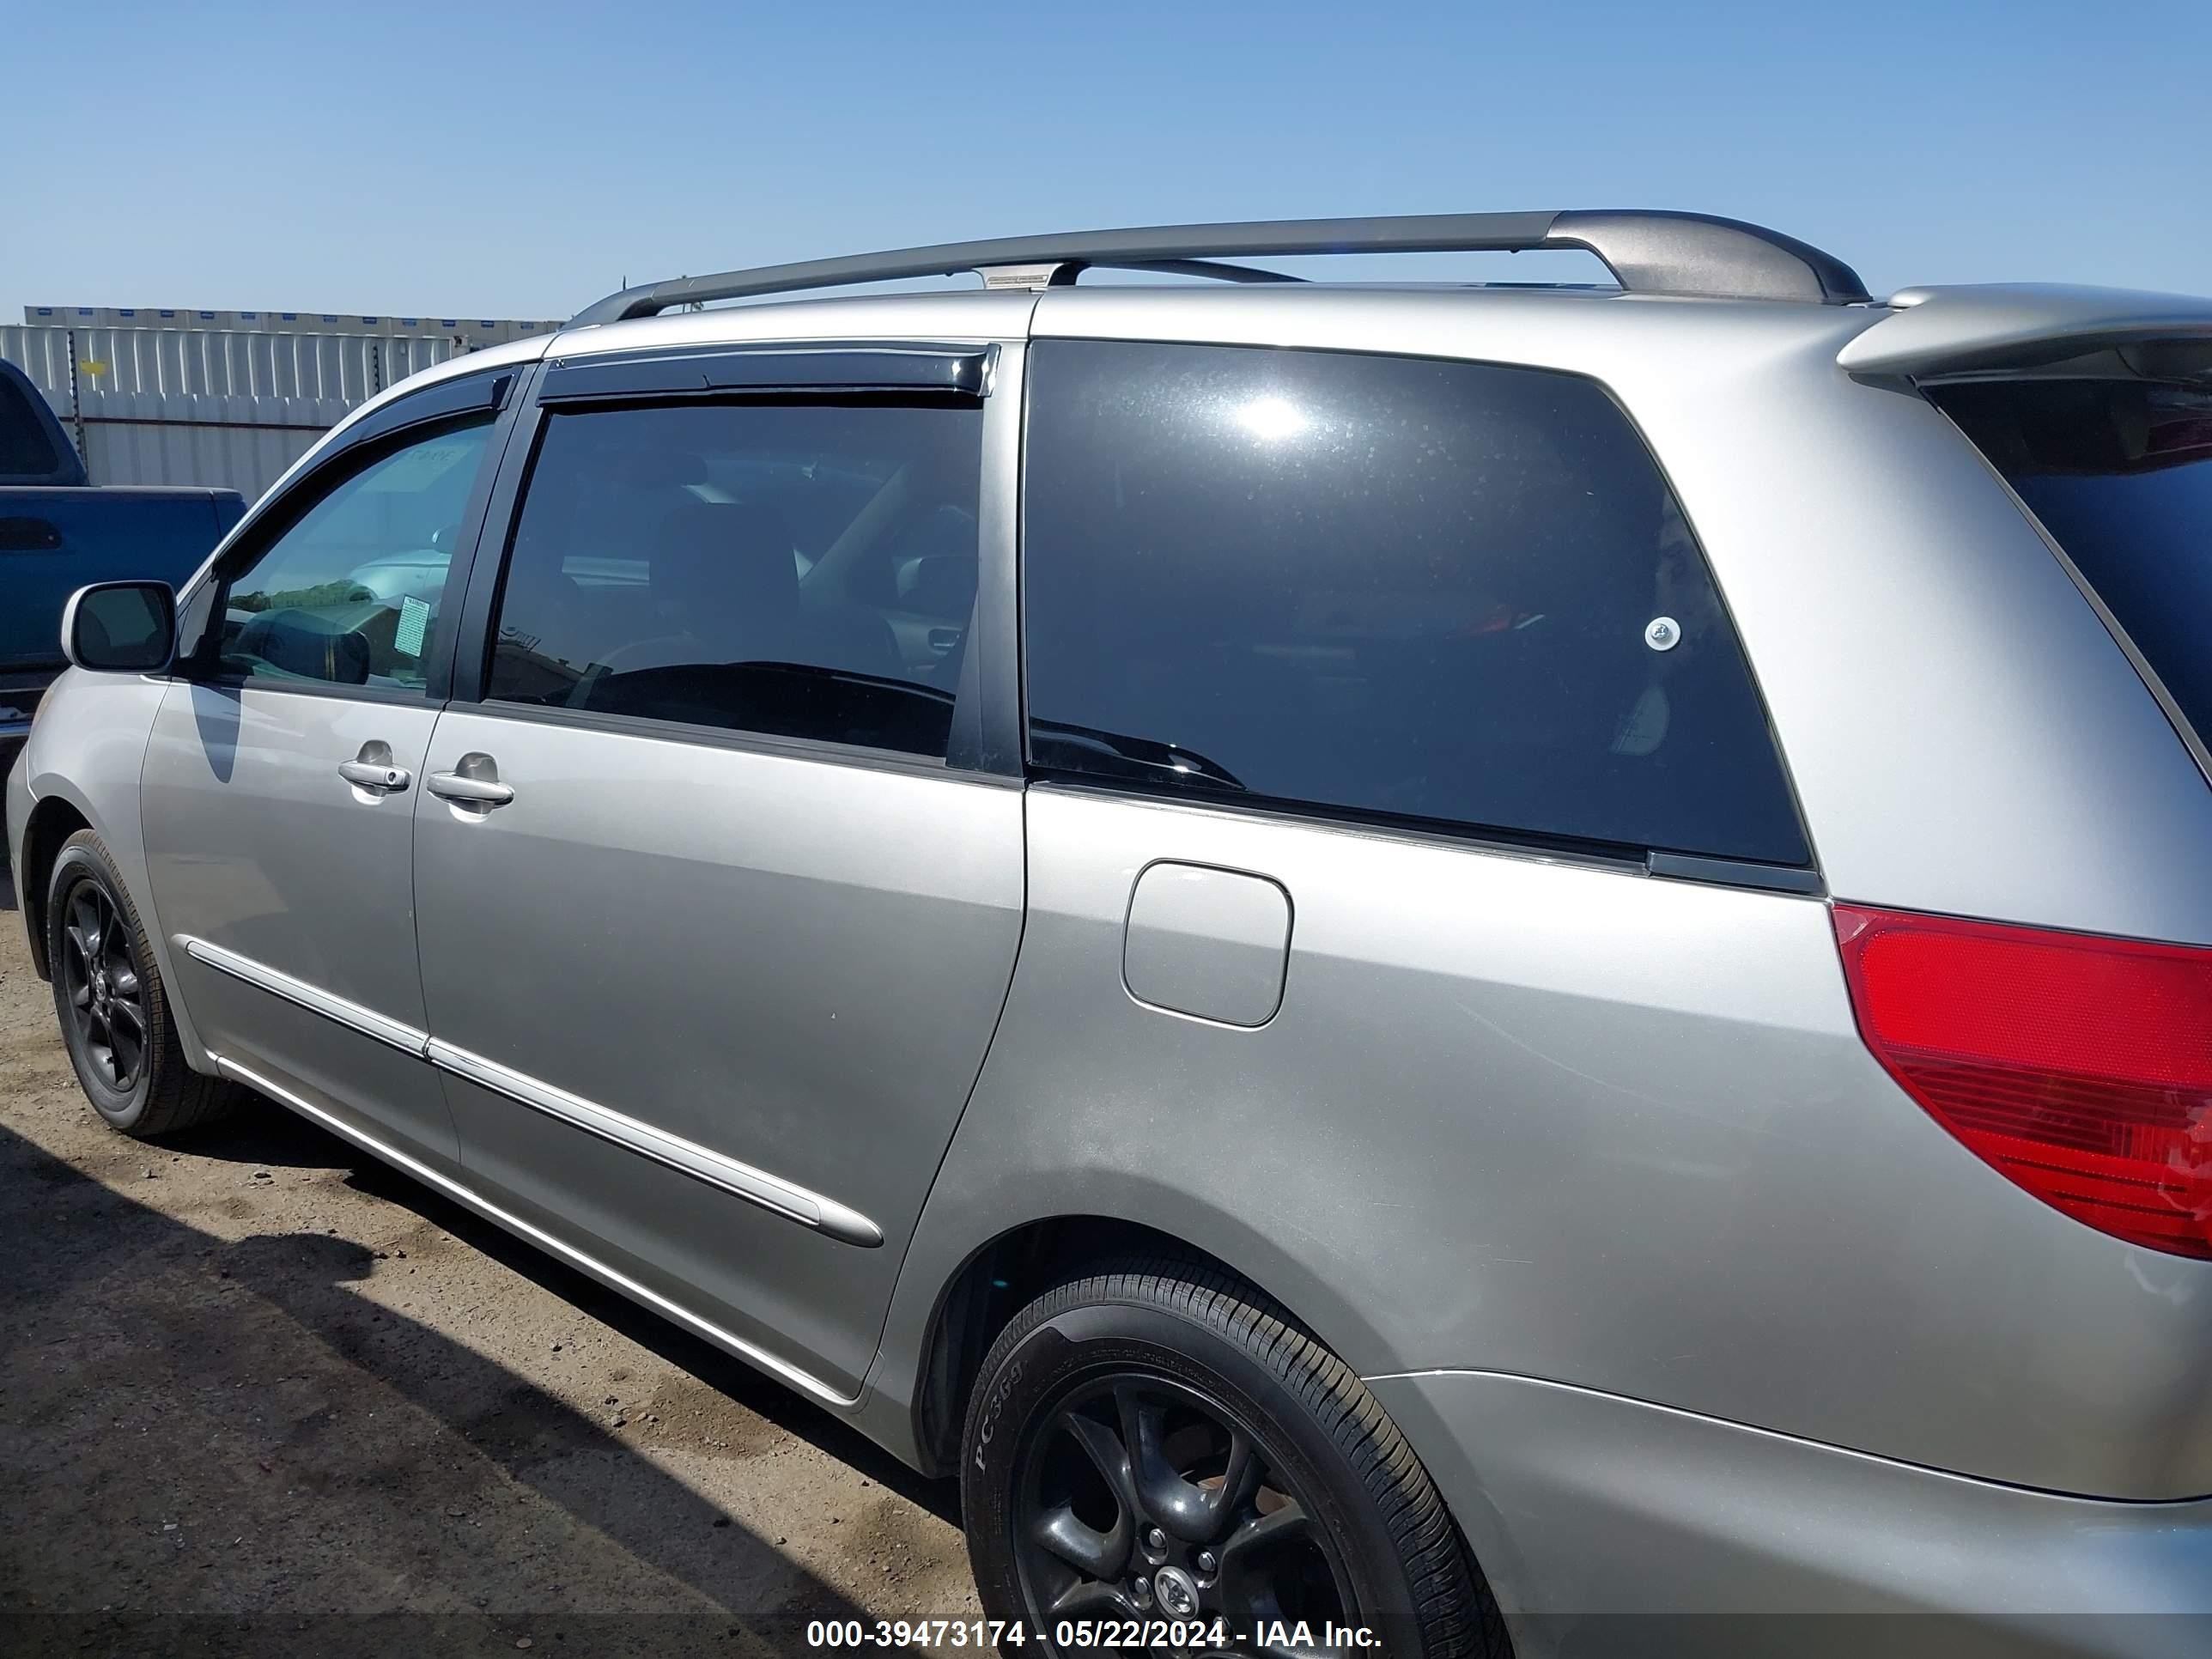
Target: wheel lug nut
1143, 1588
1156, 1539
1205, 1561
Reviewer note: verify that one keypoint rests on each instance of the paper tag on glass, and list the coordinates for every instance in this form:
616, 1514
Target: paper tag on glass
414, 620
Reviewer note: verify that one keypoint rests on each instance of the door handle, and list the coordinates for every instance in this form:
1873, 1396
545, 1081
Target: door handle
485, 792
372, 770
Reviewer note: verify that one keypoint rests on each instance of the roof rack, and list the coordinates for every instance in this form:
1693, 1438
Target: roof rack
1648, 252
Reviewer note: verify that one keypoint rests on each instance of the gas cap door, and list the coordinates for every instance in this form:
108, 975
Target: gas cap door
1213, 944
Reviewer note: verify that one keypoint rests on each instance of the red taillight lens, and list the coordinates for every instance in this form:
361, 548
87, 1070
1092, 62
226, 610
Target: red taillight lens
2078, 1067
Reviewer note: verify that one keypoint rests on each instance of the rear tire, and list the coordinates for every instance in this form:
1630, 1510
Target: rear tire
1161, 1434
113, 1006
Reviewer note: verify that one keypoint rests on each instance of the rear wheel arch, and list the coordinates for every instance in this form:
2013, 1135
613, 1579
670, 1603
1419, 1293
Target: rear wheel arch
1004, 1276
1190, 1335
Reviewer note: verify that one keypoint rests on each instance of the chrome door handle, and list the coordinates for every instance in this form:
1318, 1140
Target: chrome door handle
470, 792
370, 775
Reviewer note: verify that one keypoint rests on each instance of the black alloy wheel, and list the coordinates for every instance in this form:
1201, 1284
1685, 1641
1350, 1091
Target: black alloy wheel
1156, 1456
102, 989
1144, 1498
113, 1009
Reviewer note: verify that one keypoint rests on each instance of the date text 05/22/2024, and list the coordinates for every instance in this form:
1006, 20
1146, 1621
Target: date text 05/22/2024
1140, 1634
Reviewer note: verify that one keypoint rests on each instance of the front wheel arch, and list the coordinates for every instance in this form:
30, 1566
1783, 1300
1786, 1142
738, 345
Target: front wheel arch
53, 820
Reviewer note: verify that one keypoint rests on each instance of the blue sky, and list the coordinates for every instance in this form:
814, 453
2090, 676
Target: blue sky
520, 161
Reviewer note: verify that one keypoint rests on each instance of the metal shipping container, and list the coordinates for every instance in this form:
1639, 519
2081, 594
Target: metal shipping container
473, 333
229, 407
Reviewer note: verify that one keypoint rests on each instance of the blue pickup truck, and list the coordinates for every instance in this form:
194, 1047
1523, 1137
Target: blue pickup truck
57, 532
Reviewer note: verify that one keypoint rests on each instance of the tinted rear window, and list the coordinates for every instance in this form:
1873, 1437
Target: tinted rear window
2120, 472
1385, 586
25, 450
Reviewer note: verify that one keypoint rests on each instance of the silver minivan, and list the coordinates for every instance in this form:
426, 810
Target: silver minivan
1470, 969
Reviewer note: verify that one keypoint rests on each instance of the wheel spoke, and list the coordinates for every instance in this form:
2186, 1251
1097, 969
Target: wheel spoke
1110, 1457
1240, 1480
1101, 1554
1091, 1600
124, 981
1188, 1511
133, 1016
128, 1051
91, 920
1242, 1547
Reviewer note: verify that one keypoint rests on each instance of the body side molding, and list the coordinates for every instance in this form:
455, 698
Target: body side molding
794, 1203
315, 1000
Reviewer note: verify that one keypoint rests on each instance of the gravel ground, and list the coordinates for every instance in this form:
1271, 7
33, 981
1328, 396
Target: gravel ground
259, 1393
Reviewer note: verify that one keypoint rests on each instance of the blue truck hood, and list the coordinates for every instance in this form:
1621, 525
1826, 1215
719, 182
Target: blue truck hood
54, 540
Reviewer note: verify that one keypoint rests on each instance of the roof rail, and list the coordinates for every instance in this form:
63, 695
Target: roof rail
1648, 252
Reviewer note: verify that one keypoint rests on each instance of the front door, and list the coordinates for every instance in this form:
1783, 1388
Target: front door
280, 780
714, 937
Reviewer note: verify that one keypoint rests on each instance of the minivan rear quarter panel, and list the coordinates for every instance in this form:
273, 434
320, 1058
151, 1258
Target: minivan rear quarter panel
1566, 1123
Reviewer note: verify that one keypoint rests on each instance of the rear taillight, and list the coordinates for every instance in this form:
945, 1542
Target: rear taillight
2080, 1066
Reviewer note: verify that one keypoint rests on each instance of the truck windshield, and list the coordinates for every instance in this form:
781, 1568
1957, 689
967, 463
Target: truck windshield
2120, 473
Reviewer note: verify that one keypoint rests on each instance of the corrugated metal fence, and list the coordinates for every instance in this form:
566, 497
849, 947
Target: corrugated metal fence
227, 407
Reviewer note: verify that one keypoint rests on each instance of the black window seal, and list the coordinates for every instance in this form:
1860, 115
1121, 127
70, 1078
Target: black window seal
1618, 858
697, 734
1611, 855
396, 696
1735, 872
842, 369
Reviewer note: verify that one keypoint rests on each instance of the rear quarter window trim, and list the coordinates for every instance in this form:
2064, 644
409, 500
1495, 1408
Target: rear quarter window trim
1611, 854
2184, 729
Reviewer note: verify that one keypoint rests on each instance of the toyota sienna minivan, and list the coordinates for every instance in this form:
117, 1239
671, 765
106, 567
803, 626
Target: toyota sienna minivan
1467, 969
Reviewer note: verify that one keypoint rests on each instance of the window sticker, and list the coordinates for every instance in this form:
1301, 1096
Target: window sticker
414, 621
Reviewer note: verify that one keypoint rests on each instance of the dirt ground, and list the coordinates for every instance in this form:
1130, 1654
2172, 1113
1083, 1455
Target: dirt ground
260, 1395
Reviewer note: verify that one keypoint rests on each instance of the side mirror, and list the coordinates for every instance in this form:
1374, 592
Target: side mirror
120, 628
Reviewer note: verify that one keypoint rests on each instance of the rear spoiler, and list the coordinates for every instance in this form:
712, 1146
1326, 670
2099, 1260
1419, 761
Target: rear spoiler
1951, 330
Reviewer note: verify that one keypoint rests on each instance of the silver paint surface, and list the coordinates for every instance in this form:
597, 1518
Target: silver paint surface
1571, 1122
1212, 944
791, 963
257, 846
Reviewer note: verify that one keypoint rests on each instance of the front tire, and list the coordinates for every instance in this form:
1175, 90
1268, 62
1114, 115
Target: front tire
1160, 1441
113, 1009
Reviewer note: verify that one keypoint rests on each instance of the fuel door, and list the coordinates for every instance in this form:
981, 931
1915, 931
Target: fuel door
1213, 944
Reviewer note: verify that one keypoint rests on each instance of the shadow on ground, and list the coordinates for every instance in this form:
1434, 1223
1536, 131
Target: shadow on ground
271, 1135
222, 1446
